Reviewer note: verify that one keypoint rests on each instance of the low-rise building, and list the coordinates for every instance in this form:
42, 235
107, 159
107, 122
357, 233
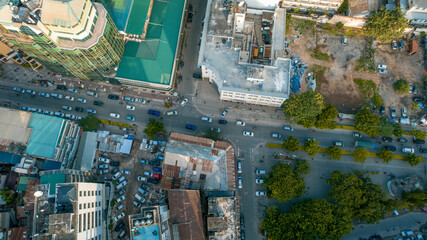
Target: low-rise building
223, 220
242, 53
151, 223
321, 5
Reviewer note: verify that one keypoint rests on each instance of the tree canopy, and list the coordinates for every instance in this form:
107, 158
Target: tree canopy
402, 86
412, 159
334, 152
385, 155
386, 25
418, 134
398, 130
325, 120
311, 146
89, 123
302, 167
309, 219
154, 128
212, 134
367, 122
304, 107
9, 196
385, 128
416, 198
291, 144
283, 183
360, 155
364, 200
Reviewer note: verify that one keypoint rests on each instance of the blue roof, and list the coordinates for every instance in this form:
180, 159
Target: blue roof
52, 179
51, 165
9, 158
45, 134
146, 233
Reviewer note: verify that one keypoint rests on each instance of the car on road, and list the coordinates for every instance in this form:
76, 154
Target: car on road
191, 127
260, 171
143, 161
393, 112
130, 107
141, 178
97, 103
104, 160
240, 123
224, 113
261, 193
390, 148
423, 150
61, 87
218, 130
69, 98
102, 166
338, 144
154, 112
140, 100
130, 118
82, 100
402, 140
120, 225
48, 112
32, 92
239, 167
114, 163
16, 89
276, 135
120, 216
72, 90
259, 180
387, 139
408, 150
113, 97
183, 102
172, 113
115, 115
240, 181
58, 96
248, 134
382, 71
104, 171
289, 128
42, 94
381, 66
127, 172
357, 135
208, 119
418, 141
68, 108
91, 111
129, 99
344, 40
222, 121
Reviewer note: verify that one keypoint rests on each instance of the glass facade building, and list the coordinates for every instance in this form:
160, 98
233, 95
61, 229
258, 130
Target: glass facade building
73, 38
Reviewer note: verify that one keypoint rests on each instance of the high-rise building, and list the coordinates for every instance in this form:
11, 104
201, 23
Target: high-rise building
71, 37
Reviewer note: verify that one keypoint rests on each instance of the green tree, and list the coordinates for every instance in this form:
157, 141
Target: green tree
385, 128
386, 25
212, 134
311, 146
367, 122
364, 200
316, 219
9, 196
154, 128
326, 118
397, 131
334, 152
283, 183
273, 223
412, 159
310, 11
385, 155
302, 167
402, 86
360, 155
416, 198
296, 10
89, 123
339, 25
304, 107
418, 133
343, 7
291, 144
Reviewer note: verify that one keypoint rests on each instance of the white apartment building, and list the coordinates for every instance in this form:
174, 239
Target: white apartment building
322, 5
242, 53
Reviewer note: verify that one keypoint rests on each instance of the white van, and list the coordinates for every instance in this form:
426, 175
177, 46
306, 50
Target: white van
338, 144
90, 93
408, 150
139, 197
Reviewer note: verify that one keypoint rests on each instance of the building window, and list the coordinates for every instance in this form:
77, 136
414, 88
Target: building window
92, 204
80, 206
80, 223
80, 193
84, 221
84, 193
93, 220
84, 205
93, 194
96, 219
99, 219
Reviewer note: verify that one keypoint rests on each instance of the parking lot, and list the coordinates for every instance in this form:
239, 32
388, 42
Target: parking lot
135, 184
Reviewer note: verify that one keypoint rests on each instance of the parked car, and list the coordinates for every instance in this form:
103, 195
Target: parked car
136, 203
390, 148
344, 40
259, 180
408, 150
423, 150
206, 119
357, 135
404, 112
113, 97
191, 127
240, 181
381, 66
114, 171
402, 140
387, 139
248, 134
159, 157
122, 184
148, 173
104, 160
261, 193
394, 44
129, 99
82, 100
418, 141
140, 100
118, 217
130, 118
117, 175
121, 198
130, 107
224, 113
338, 144
183, 102
68, 108
153, 181
72, 90
222, 121
218, 130
141, 178
260, 171
121, 192
114, 163
154, 112
120, 207
122, 233
157, 169
58, 96
382, 71
102, 166
104, 171
418, 99
172, 113
143, 161
98, 103
79, 109
276, 135
239, 167
115, 115
127, 172
154, 163
121, 179
120, 225
69, 98
240, 123
382, 110
91, 111
197, 75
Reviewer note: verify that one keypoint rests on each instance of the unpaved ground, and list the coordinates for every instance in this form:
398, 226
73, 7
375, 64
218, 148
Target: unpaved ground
336, 84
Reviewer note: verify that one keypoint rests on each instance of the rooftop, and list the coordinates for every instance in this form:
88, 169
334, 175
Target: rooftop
86, 152
152, 59
45, 135
119, 11
222, 220
240, 56
14, 126
62, 13
150, 224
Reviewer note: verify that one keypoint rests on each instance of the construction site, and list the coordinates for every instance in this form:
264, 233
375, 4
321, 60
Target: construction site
223, 212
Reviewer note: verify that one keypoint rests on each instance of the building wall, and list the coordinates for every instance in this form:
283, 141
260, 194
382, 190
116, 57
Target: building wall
96, 62
324, 5
90, 219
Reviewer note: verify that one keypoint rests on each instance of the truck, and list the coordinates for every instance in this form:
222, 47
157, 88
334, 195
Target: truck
364, 144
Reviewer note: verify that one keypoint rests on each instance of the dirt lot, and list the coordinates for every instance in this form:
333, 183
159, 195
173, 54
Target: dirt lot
336, 83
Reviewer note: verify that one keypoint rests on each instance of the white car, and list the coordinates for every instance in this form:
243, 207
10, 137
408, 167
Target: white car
72, 90
172, 113
102, 166
184, 102
48, 112
382, 71
140, 100
381, 66
82, 100
120, 216
70, 116
147, 173
117, 175
261, 193
240, 181
130, 107
104, 171
240, 123
68, 108
104, 160
127, 172
122, 184
289, 128
141, 178
69, 98
92, 111
207, 119
115, 115
259, 180
224, 113
248, 134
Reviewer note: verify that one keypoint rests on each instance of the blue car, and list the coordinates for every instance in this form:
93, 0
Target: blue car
154, 112
191, 127
159, 157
